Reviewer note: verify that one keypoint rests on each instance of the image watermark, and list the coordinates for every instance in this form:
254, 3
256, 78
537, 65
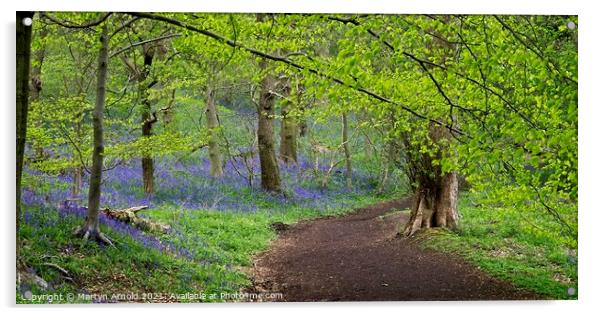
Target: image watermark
149, 297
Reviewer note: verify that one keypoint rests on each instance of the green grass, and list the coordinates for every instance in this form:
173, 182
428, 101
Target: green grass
100, 271
222, 245
523, 247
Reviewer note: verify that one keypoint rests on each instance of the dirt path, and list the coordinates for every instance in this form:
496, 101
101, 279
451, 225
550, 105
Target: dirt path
356, 257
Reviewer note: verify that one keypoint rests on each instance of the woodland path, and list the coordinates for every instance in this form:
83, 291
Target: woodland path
357, 257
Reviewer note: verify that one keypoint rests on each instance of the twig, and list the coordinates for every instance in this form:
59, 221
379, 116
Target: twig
142, 43
69, 24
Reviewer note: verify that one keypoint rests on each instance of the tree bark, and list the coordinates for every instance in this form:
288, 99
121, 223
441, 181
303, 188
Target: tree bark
77, 182
148, 165
348, 168
23, 52
270, 175
215, 158
77, 171
288, 130
435, 206
91, 229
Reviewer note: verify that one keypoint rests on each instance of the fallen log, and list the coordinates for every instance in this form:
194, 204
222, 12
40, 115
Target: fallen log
129, 216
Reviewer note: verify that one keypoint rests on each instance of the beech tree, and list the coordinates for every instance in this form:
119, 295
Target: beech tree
91, 228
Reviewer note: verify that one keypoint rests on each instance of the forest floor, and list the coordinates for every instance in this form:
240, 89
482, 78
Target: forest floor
358, 257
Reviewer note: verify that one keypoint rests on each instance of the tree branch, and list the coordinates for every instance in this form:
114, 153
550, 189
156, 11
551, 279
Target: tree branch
79, 153
123, 26
424, 62
535, 51
294, 65
71, 25
142, 43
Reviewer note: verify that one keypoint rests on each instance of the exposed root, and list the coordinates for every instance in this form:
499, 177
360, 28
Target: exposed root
95, 235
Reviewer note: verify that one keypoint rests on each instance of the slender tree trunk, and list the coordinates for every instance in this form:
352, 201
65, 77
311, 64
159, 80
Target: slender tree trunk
91, 229
302, 126
77, 182
288, 130
215, 158
36, 69
77, 171
389, 154
148, 165
349, 169
23, 64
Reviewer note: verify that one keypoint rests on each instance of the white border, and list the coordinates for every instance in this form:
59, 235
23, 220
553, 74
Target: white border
590, 122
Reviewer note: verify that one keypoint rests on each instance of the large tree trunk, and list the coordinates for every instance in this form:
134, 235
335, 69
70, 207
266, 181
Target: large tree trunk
23, 64
91, 229
270, 176
435, 206
348, 168
215, 158
288, 130
148, 165
436, 195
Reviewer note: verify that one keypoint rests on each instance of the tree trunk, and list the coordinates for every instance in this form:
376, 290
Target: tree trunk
77, 182
349, 170
436, 196
288, 130
23, 59
91, 229
36, 69
435, 206
148, 165
437, 191
77, 171
215, 158
302, 126
270, 176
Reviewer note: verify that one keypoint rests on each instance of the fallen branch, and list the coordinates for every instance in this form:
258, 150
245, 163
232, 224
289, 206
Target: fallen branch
64, 273
129, 216
57, 267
